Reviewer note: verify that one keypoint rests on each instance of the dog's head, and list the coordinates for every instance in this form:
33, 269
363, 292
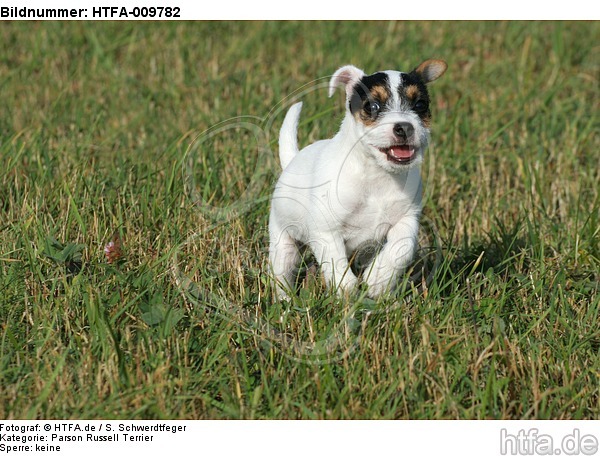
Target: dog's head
390, 111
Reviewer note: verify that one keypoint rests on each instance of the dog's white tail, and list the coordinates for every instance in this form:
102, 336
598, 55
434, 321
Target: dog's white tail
288, 135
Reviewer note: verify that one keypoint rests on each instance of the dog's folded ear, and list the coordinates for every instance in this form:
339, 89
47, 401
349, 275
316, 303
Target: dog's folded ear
346, 76
431, 69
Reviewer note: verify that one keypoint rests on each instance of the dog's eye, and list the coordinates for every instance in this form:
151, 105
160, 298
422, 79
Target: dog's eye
372, 108
420, 106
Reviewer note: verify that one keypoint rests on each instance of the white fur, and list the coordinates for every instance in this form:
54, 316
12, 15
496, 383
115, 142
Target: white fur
288, 137
338, 193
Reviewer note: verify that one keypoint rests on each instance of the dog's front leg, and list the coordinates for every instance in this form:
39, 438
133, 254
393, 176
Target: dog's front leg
397, 253
330, 252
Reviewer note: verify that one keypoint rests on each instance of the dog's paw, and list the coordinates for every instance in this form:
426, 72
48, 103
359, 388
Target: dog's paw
377, 287
376, 290
281, 294
348, 284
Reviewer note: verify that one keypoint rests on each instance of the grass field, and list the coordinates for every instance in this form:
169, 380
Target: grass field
101, 138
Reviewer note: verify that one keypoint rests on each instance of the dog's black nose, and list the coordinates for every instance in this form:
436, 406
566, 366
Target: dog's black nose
404, 130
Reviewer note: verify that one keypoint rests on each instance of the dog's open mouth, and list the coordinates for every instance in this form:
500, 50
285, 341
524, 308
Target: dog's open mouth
404, 153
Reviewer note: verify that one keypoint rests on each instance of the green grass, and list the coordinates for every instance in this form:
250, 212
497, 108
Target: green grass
99, 136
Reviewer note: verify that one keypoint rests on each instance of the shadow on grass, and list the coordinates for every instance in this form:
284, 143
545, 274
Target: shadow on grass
505, 250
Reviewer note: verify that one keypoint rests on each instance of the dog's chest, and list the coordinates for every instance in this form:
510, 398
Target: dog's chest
369, 216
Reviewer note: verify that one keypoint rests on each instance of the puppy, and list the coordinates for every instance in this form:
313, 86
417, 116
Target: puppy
361, 187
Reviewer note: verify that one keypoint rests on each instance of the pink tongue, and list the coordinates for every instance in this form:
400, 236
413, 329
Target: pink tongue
402, 152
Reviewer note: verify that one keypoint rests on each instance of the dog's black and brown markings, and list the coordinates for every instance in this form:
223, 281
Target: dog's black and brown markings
373, 94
